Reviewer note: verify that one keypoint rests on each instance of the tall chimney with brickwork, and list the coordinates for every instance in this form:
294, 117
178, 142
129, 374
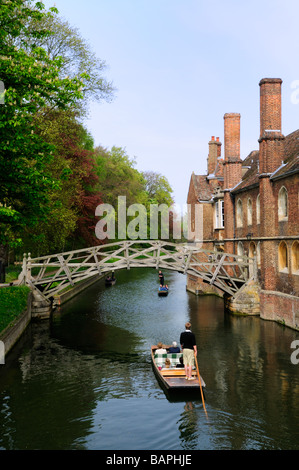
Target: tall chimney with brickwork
271, 154
271, 138
214, 146
232, 172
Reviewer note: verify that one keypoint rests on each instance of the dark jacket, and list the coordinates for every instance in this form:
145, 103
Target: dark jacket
187, 339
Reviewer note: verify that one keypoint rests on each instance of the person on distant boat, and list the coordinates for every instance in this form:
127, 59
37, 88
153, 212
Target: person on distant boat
161, 278
188, 344
174, 348
160, 349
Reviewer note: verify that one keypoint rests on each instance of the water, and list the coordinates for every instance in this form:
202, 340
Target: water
84, 380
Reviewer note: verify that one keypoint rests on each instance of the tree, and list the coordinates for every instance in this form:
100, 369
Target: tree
32, 81
118, 177
71, 205
66, 41
158, 188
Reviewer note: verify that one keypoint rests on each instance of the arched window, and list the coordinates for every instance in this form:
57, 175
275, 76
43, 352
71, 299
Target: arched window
283, 257
295, 257
258, 210
249, 212
239, 213
282, 204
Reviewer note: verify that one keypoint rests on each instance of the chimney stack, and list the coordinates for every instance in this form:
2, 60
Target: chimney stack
214, 146
271, 138
232, 160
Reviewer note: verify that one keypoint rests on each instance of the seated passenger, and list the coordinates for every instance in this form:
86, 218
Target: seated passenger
167, 363
160, 349
174, 348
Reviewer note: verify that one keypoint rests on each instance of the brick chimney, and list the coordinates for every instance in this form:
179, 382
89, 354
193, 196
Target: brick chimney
214, 146
232, 160
271, 138
218, 148
232, 173
271, 154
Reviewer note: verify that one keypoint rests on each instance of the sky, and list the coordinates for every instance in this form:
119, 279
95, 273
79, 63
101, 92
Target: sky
178, 66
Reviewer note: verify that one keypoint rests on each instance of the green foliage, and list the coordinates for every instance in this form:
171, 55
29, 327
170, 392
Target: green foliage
13, 302
79, 60
51, 177
32, 81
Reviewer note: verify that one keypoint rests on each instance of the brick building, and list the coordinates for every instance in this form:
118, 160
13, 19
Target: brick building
252, 205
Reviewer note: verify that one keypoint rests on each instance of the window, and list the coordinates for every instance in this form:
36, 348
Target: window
295, 258
219, 214
258, 210
283, 257
249, 212
239, 213
282, 204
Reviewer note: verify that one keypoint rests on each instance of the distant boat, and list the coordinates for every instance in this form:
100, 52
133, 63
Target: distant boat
163, 291
110, 281
173, 378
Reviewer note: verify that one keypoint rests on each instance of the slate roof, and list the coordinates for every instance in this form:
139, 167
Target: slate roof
289, 165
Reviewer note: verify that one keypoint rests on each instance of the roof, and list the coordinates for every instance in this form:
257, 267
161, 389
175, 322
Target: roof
250, 169
202, 189
289, 165
291, 162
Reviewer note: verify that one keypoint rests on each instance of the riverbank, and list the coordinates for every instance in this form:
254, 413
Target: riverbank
15, 315
18, 306
13, 302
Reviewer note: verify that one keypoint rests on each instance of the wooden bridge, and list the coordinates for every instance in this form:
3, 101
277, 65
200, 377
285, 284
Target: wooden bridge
52, 274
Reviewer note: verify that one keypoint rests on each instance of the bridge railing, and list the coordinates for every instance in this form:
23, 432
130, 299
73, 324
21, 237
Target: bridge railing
53, 273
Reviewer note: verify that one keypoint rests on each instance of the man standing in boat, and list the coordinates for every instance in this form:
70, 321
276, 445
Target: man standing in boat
161, 278
188, 344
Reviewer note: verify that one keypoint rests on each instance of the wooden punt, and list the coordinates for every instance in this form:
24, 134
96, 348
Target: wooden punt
174, 379
162, 293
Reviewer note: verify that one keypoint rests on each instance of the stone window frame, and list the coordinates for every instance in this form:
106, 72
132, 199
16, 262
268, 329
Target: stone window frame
258, 209
283, 257
283, 204
295, 257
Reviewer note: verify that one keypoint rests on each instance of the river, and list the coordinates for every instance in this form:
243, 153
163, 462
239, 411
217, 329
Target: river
84, 380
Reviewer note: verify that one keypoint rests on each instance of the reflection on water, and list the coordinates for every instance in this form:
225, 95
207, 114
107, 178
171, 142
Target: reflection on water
84, 380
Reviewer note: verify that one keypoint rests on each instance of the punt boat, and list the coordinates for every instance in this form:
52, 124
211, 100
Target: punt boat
174, 378
163, 292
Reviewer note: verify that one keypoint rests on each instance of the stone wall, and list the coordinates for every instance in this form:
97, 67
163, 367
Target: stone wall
283, 308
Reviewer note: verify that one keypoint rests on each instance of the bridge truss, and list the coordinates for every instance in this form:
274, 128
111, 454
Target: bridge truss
52, 274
